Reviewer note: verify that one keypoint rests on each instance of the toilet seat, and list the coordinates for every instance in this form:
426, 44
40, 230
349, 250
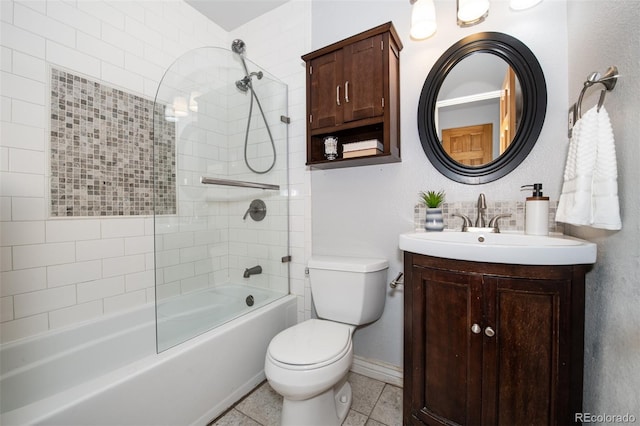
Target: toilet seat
311, 344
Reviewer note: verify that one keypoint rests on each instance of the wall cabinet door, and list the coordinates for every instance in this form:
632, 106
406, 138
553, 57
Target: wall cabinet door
326, 97
493, 345
353, 93
363, 71
346, 85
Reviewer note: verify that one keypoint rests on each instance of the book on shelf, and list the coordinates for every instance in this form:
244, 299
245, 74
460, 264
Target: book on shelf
362, 145
361, 153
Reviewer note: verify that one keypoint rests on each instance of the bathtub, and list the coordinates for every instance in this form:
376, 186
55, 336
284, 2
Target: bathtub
108, 372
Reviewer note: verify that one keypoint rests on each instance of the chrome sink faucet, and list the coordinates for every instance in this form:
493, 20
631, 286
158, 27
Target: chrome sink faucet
480, 223
482, 208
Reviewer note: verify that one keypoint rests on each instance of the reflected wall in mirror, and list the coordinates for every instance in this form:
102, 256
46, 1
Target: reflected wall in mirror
478, 109
482, 108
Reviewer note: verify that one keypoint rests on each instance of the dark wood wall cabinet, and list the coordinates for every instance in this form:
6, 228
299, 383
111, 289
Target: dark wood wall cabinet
492, 344
353, 93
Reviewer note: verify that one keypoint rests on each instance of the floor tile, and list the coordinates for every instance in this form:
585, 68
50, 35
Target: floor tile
235, 418
354, 419
366, 392
374, 404
388, 409
263, 405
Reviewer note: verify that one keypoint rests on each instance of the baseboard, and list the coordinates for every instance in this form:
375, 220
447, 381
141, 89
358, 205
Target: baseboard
378, 370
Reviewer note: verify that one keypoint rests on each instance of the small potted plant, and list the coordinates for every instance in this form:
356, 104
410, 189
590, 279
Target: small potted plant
433, 201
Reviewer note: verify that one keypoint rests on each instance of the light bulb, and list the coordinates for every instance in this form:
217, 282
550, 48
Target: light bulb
472, 11
423, 19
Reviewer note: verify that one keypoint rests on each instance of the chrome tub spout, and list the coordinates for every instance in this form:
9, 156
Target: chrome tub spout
252, 271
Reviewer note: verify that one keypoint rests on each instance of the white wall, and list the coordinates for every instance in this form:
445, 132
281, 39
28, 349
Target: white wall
362, 210
603, 34
63, 271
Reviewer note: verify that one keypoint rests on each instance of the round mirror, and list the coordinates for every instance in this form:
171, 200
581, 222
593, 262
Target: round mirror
482, 108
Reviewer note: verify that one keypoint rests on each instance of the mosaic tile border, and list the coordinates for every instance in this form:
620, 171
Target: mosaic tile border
102, 154
468, 208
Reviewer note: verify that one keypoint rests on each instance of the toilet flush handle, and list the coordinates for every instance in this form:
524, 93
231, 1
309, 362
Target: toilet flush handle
398, 281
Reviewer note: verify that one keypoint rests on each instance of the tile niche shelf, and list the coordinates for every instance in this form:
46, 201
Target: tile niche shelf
353, 93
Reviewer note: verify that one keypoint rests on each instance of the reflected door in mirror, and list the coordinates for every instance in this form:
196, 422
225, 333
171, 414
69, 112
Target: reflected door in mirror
471, 145
475, 92
507, 110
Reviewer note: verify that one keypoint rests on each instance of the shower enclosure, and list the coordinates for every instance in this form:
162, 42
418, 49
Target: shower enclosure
220, 192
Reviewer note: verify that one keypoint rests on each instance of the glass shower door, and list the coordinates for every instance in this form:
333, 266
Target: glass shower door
221, 193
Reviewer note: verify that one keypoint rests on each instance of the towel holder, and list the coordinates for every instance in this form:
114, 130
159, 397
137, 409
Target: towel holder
609, 81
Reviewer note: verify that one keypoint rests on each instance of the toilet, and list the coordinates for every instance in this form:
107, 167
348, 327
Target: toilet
308, 363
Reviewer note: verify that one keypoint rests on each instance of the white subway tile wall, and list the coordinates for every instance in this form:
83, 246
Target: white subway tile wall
57, 272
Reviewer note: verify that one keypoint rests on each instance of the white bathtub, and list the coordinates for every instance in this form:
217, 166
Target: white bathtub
118, 379
183, 317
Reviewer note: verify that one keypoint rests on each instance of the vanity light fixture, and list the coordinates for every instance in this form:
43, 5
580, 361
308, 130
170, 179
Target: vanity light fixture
423, 19
523, 4
468, 13
471, 12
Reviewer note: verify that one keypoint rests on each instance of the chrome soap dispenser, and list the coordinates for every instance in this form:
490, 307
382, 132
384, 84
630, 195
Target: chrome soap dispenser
536, 211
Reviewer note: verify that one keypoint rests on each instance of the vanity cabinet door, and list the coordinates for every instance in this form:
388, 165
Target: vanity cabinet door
446, 348
492, 344
526, 357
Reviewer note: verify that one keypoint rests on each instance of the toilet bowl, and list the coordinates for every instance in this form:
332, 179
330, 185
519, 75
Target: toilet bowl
304, 365
308, 363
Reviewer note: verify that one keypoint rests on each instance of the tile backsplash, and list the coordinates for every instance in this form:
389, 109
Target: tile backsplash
102, 155
468, 208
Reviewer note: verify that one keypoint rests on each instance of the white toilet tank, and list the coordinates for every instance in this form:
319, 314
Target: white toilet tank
350, 290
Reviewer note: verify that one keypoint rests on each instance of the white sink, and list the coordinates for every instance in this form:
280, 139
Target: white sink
505, 247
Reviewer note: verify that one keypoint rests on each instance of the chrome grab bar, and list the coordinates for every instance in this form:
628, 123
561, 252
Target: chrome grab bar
240, 183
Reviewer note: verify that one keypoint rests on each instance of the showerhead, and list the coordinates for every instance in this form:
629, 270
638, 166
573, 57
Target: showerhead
244, 83
238, 46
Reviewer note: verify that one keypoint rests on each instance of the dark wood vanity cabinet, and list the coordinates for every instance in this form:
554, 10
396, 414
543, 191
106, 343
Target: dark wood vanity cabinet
353, 92
492, 344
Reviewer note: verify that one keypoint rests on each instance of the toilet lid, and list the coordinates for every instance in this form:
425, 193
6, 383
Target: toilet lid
310, 342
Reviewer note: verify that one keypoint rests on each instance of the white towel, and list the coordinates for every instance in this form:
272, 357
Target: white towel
590, 189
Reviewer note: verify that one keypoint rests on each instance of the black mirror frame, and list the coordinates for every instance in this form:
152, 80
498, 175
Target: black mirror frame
534, 95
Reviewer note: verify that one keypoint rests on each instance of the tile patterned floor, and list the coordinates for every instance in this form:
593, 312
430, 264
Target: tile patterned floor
375, 403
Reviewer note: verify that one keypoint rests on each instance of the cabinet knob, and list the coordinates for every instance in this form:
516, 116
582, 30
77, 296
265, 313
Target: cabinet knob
475, 329
489, 332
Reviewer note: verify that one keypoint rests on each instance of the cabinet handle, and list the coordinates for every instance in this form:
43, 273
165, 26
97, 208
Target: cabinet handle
338, 95
475, 329
346, 91
489, 332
